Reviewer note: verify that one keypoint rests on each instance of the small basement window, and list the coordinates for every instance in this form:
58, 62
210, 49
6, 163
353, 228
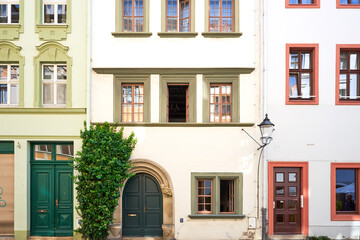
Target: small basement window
178, 103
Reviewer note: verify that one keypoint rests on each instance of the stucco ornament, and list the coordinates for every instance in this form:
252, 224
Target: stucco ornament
166, 190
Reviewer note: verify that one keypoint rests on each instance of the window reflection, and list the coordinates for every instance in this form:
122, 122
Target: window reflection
346, 190
42, 152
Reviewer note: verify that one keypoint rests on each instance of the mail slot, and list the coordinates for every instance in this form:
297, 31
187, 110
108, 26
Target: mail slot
132, 215
40, 210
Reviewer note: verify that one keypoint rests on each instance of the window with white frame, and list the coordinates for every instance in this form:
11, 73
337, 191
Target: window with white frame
9, 11
9, 84
54, 11
54, 78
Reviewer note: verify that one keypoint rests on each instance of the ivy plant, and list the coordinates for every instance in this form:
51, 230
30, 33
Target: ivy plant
101, 168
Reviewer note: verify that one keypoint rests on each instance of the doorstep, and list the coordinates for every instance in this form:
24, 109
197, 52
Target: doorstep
287, 237
49, 238
7, 237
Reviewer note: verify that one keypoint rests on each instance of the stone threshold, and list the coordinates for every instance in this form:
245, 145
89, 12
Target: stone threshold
287, 237
49, 238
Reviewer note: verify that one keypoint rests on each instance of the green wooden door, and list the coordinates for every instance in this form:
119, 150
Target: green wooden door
51, 200
142, 207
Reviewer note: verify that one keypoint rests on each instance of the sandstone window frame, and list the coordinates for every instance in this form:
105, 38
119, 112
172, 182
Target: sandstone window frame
11, 31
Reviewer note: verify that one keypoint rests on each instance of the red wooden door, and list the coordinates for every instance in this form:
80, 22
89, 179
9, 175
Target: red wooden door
287, 200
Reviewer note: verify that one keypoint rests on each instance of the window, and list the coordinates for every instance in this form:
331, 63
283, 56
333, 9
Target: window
9, 84
221, 99
348, 75
9, 11
222, 18
302, 3
345, 191
54, 85
302, 74
132, 105
178, 16
132, 99
54, 11
132, 18
52, 151
220, 102
178, 98
216, 195
347, 3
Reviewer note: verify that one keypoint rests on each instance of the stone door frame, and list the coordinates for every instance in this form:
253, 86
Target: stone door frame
164, 180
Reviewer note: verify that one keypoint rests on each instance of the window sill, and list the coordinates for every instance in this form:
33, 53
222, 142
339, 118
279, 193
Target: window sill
177, 34
347, 102
52, 32
303, 5
149, 124
10, 31
222, 34
220, 216
346, 217
42, 110
132, 34
302, 101
348, 6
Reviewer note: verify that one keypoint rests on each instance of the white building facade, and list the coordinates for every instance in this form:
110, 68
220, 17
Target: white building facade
312, 51
186, 85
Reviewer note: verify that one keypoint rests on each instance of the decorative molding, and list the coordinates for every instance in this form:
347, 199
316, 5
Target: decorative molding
221, 34
166, 124
177, 34
132, 34
208, 71
168, 231
166, 190
5, 53
43, 111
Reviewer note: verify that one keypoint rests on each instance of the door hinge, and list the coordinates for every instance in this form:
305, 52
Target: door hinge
57, 203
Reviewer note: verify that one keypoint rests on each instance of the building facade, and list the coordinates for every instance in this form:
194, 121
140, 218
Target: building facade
312, 76
43, 74
185, 77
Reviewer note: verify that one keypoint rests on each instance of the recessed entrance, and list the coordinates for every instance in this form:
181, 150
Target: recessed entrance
142, 207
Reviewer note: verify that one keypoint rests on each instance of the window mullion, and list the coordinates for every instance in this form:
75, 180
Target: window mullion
178, 15
216, 198
132, 102
55, 84
348, 75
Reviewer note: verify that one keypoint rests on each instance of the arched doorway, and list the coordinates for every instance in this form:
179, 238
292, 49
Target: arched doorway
142, 207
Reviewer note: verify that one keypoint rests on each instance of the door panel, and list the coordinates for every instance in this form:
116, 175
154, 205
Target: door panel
51, 200
42, 201
63, 201
142, 207
287, 197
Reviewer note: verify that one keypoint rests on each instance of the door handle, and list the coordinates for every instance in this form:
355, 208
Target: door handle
57, 203
301, 201
41, 210
144, 208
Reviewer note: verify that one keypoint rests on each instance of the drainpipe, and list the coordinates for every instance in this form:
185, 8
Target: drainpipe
89, 64
264, 4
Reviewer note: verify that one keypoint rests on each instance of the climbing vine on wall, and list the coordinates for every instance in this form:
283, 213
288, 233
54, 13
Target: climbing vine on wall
101, 168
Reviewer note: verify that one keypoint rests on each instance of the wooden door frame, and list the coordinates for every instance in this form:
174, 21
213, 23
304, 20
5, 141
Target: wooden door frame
304, 167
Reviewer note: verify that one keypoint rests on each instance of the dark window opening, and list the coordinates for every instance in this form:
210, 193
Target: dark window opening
227, 196
178, 103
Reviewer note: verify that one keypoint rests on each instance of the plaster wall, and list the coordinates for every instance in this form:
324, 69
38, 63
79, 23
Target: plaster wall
320, 134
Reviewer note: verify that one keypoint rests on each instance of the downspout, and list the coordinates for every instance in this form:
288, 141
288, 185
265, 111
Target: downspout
264, 4
89, 64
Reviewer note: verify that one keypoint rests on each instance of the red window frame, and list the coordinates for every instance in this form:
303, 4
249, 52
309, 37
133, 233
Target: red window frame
220, 27
220, 103
315, 4
123, 104
179, 18
133, 17
203, 196
335, 216
314, 91
352, 48
349, 5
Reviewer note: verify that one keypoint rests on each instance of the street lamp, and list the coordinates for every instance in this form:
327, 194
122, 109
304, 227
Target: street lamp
266, 130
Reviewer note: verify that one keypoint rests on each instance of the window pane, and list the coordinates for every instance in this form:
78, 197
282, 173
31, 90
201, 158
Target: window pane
42, 152
292, 177
279, 205
280, 191
3, 73
48, 93
343, 61
227, 196
292, 191
346, 190
292, 204
294, 1
305, 85
48, 72
49, 16
354, 86
3, 93
15, 9
280, 218
61, 94
307, 1
63, 152
342, 86
61, 13
354, 61
292, 218
279, 177
14, 93
294, 61
305, 60
61, 72
14, 73
3, 13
